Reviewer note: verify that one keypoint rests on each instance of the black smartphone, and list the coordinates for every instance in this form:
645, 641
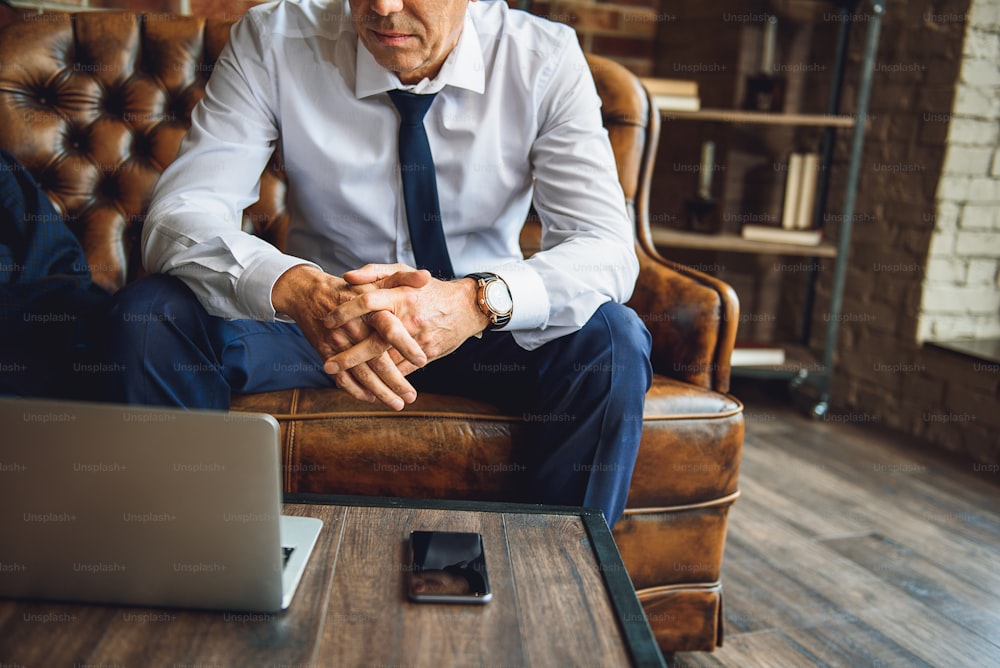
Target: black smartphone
448, 567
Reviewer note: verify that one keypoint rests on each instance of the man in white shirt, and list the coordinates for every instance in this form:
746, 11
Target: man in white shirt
515, 120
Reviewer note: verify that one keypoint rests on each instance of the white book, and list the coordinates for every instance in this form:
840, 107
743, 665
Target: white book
807, 191
748, 354
672, 94
676, 103
793, 187
780, 235
679, 87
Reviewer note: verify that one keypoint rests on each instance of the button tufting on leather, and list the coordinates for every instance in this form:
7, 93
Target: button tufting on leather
47, 94
78, 139
142, 146
106, 112
113, 102
178, 105
110, 188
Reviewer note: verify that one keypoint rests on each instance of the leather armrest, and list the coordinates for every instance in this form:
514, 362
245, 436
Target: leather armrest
692, 318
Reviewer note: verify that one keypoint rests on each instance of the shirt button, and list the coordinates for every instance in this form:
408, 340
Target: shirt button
407, 247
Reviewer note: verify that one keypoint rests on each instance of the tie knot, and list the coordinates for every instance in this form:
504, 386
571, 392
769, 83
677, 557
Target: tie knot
412, 108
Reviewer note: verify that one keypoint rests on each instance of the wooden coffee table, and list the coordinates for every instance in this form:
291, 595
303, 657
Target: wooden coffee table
561, 597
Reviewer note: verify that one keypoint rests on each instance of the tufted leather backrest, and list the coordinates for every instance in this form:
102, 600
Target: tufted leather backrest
95, 106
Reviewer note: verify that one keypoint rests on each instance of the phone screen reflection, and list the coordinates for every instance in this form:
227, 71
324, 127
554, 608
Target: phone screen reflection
448, 565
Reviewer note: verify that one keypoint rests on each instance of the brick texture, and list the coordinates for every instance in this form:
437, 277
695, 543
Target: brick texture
929, 174
966, 304
623, 30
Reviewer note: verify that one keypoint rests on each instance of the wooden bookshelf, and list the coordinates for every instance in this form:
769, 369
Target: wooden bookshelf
762, 118
665, 239
810, 378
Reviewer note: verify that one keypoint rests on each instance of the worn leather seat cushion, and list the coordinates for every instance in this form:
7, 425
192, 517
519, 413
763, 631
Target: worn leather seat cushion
452, 447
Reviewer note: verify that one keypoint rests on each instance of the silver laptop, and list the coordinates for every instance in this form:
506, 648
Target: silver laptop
142, 506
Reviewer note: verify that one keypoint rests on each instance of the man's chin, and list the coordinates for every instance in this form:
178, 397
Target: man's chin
391, 58
401, 68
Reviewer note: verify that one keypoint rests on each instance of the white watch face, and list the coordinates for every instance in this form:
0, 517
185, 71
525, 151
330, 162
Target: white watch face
498, 298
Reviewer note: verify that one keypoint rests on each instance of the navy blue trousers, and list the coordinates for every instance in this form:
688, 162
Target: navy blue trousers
51, 312
581, 395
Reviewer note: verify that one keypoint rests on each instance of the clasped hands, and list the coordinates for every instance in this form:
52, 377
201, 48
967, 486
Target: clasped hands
379, 323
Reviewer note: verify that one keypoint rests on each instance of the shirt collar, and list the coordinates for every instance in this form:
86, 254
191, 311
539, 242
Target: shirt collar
463, 68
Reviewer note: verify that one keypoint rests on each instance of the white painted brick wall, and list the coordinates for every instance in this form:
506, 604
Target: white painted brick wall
942, 246
973, 131
948, 215
969, 160
947, 270
985, 15
981, 44
942, 328
983, 272
960, 297
980, 217
977, 244
962, 188
980, 73
987, 329
977, 101
984, 189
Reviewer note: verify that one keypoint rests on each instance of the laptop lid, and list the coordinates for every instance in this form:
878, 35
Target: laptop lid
142, 506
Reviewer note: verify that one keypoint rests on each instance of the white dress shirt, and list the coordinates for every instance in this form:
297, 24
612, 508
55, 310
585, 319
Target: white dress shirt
517, 119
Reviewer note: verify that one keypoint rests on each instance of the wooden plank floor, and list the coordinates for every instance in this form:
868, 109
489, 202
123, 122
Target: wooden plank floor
854, 547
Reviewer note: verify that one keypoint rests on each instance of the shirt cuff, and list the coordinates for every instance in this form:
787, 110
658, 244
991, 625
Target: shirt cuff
253, 290
527, 291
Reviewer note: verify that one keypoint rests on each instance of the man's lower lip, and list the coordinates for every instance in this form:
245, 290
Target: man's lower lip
391, 40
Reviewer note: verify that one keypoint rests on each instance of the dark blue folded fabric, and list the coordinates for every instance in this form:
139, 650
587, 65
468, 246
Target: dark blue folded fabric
51, 312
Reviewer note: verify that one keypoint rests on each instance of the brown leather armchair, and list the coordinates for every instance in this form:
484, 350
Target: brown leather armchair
95, 105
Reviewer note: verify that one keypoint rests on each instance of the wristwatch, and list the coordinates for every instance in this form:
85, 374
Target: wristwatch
493, 298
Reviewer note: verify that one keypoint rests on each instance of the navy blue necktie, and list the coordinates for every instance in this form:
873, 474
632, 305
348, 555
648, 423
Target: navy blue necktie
423, 213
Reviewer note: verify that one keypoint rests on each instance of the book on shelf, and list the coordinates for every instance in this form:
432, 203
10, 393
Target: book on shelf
755, 353
807, 191
682, 87
673, 94
781, 235
676, 103
798, 206
793, 179
800, 191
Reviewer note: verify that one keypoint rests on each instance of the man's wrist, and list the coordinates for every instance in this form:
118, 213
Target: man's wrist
481, 319
292, 284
